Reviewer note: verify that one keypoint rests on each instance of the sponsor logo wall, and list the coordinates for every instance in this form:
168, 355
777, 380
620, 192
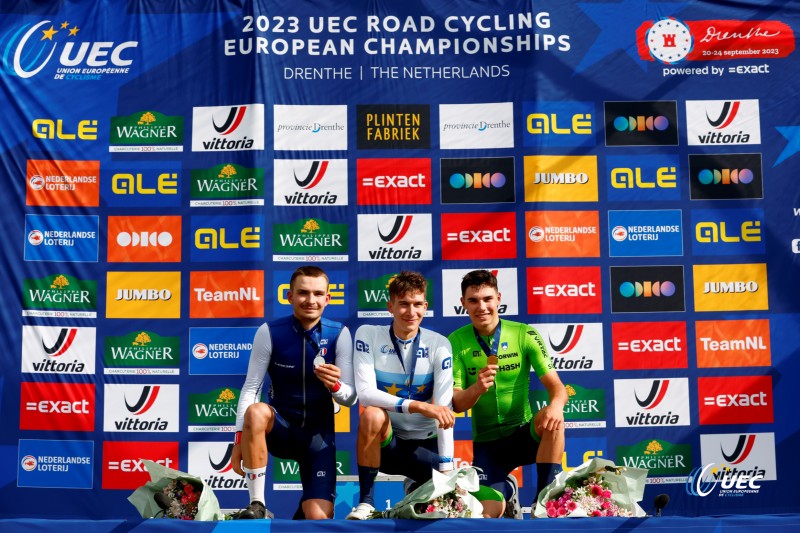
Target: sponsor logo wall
633, 190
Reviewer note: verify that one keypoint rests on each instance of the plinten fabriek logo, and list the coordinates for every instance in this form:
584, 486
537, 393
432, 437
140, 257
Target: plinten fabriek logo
214, 411
573, 347
58, 350
393, 126
651, 402
146, 131
141, 408
228, 128
227, 185
59, 295
58, 50
310, 182
141, 352
309, 239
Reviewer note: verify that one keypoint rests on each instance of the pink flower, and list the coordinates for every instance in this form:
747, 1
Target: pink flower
430, 509
606, 494
550, 504
597, 490
596, 513
551, 512
571, 506
562, 511
605, 505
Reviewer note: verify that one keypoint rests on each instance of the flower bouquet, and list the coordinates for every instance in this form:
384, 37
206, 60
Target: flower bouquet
596, 488
175, 494
445, 495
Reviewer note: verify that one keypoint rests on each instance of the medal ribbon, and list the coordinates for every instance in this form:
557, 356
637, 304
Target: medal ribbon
415, 355
482, 342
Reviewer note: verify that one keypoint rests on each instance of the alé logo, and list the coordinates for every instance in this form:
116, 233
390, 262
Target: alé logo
58, 350
651, 402
394, 237
33, 46
573, 347
212, 462
123, 467
722, 122
303, 182
141, 408
237, 127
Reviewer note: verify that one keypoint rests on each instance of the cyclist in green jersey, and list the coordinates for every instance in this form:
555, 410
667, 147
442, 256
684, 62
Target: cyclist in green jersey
492, 359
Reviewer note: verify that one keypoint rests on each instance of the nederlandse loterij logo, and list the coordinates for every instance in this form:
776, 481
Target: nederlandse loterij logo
212, 462
395, 237
55, 182
316, 182
586, 407
310, 127
561, 178
59, 295
660, 457
309, 239
722, 122
141, 408
66, 464
227, 128
562, 234
146, 131
645, 233
227, 184
733, 343
143, 294
573, 347
58, 350
57, 50
62, 238
141, 352
506, 285
373, 295
145, 239
213, 411
123, 467
651, 402
220, 351
726, 176
649, 345
644, 178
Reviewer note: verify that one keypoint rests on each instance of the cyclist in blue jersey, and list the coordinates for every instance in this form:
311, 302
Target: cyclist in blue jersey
309, 360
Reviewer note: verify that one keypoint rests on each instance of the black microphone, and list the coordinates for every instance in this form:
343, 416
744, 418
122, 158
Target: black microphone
660, 502
162, 500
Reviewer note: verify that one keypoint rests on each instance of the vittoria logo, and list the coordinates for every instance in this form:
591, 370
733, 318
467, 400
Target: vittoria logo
562, 178
146, 131
558, 124
568, 290
732, 343
225, 128
653, 123
58, 350
506, 285
140, 408
649, 345
647, 289
393, 181
466, 236
212, 462
726, 176
749, 456
393, 237
722, 122
732, 287
227, 184
480, 180
744, 400
301, 182
123, 467
651, 402
576, 347
63, 183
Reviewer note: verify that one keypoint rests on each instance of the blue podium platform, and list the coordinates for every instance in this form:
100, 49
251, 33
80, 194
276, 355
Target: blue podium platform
669, 524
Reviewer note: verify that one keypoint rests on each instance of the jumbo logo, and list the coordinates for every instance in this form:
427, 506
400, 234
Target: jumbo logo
27, 54
561, 178
731, 287
155, 239
143, 295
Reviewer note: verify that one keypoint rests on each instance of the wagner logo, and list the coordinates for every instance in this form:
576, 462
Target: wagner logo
651, 402
58, 350
744, 400
586, 408
62, 183
659, 457
506, 285
227, 294
214, 410
558, 124
393, 126
393, 181
123, 467
146, 239
728, 232
652, 178
30, 48
373, 295
567, 290
394, 237
561, 178
476, 126
732, 343
648, 289
141, 352
731, 287
653, 123
45, 128
59, 295
143, 295
224, 128
649, 345
304, 182
309, 239
57, 406
212, 462
123, 187
574, 347
226, 185
310, 127
726, 176
479, 236
228, 238
141, 408
480, 180
562, 234
146, 131
722, 122
740, 455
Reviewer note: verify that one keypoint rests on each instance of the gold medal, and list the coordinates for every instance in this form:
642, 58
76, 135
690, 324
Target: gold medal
491, 360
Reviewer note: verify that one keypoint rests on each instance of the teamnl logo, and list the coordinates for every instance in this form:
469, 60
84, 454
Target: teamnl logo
29, 50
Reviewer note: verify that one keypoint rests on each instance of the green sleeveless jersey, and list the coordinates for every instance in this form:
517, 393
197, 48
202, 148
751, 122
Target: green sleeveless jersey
505, 406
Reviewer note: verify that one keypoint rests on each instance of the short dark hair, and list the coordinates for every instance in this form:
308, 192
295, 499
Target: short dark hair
308, 270
407, 281
478, 278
